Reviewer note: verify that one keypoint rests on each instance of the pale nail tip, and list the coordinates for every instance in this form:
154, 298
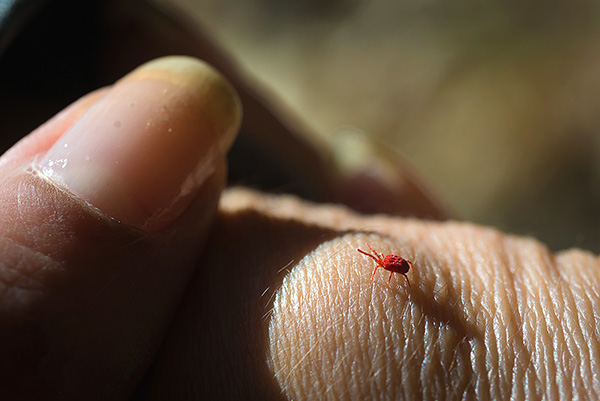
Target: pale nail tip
179, 70
176, 63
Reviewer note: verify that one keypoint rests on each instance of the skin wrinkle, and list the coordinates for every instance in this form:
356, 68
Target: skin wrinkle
379, 325
506, 321
451, 294
557, 327
495, 335
587, 311
34, 263
370, 335
398, 347
429, 361
447, 297
544, 350
532, 316
563, 356
488, 316
434, 341
466, 347
338, 350
511, 319
353, 344
314, 341
574, 344
579, 340
584, 332
481, 308
592, 338
353, 351
21, 274
417, 347
524, 365
408, 345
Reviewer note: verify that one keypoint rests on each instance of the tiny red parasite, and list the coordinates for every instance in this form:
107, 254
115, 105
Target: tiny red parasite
393, 263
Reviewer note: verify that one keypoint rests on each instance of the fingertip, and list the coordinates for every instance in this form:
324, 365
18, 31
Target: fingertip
97, 283
142, 152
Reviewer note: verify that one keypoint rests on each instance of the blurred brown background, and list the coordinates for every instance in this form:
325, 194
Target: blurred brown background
496, 103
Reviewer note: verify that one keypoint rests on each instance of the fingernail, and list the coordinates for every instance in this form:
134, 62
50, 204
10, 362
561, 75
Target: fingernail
144, 149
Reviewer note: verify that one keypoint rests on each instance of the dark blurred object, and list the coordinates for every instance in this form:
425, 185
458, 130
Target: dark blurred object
13, 14
47, 60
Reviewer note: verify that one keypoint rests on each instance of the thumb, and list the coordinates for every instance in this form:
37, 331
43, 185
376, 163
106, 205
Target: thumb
103, 210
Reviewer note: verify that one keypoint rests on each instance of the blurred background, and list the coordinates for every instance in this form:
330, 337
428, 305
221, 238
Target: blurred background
496, 104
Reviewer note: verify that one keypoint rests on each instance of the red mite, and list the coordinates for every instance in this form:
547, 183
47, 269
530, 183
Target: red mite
393, 263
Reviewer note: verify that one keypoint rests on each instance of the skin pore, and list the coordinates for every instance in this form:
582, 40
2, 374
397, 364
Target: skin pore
286, 306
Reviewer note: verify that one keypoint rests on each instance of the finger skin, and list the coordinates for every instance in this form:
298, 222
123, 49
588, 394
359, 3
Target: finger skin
88, 317
86, 299
288, 310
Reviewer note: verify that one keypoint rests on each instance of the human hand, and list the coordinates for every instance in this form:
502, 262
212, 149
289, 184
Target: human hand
283, 307
280, 299
104, 210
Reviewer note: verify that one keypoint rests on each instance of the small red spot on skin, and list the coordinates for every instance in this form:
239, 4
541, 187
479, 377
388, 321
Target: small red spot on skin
392, 263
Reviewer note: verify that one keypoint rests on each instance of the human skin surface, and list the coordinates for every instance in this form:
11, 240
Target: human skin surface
244, 295
286, 306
